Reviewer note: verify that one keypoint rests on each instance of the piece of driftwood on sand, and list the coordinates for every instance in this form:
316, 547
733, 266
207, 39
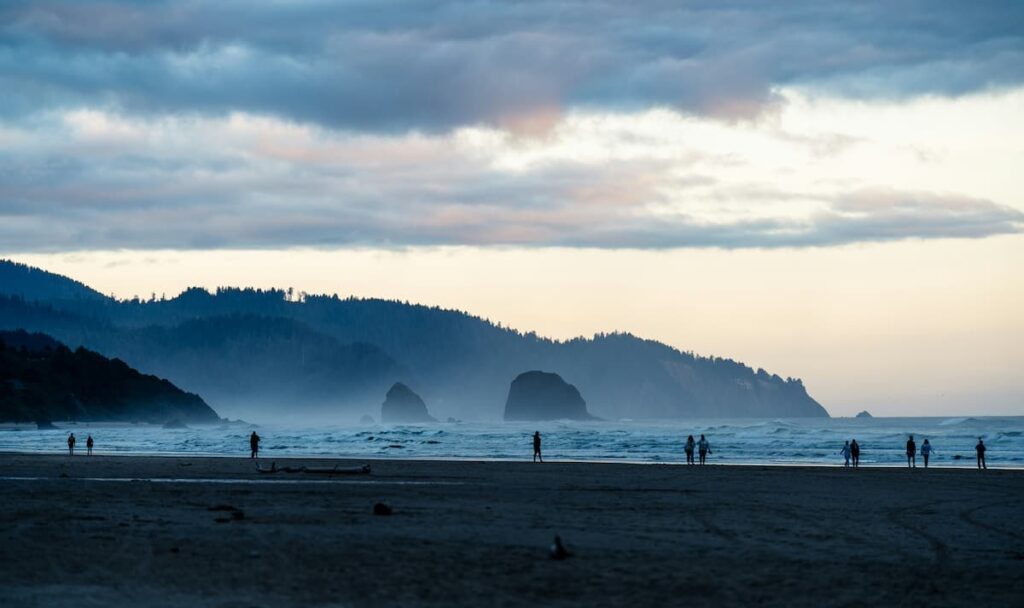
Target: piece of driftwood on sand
335, 470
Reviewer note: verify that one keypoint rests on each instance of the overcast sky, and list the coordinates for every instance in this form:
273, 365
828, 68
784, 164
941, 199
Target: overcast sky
827, 190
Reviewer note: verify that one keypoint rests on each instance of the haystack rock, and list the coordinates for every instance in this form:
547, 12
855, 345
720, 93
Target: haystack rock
540, 395
402, 405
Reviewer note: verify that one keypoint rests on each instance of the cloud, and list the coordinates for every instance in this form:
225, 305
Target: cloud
86, 179
437, 66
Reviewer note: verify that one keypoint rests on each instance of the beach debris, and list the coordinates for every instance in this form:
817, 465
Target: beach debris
558, 550
380, 508
338, 470
335, 470
233, 513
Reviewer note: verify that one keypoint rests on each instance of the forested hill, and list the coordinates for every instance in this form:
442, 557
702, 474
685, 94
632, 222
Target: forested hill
41, 380
36, 284
233, 345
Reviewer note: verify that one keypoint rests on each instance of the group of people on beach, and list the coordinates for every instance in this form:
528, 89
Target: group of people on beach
88, 444
851, 452
703, 449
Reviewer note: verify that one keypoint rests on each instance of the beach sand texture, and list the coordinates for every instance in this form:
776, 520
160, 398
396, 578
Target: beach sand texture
477, 534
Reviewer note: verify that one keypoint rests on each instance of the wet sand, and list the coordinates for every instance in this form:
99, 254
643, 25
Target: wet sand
139, 531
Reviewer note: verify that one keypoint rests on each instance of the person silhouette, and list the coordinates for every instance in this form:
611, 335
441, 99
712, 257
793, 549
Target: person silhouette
536, 447
703, 449
980, 449
855, 453
911, 453
846, 451
254, 443
71, 444
690, 444
88, 445
926, 451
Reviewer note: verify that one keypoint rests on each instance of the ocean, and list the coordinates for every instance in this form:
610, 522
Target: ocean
803, 441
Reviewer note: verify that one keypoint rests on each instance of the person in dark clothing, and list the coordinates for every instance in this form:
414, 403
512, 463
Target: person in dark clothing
254, 443
980, 449
536, 447
855, 452
88, 445
703, 449
71, 444
911, 453
689, 447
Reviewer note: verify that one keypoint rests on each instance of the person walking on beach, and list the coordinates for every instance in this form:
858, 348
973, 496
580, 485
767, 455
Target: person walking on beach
71, 444
254, 443
88, 445
690, 445
926, 451
855, 453
536, 447
703, 448
980, 449
911, 453
846, 452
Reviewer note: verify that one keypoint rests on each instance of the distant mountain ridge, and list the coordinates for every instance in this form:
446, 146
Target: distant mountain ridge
351, 350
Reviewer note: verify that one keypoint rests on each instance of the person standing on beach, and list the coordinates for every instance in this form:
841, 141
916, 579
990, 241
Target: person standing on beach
536, 447
71, 444
690, 445
88, 445
911, 453
926, 451
846, 452
980, 449
855, 453
254, 443
703, 448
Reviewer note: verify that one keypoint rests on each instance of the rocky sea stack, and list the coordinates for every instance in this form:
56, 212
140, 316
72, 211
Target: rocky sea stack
864, 414
540, 395
402, 405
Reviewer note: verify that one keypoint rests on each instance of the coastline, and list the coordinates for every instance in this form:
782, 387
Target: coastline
466, 533
354, 460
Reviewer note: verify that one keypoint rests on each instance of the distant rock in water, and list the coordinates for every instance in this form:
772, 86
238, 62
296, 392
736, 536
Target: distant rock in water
42, 380
865, 414
367, 419
175, 424
540, 395
403, 405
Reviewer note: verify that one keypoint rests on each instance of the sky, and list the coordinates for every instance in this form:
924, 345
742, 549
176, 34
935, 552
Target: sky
830, 191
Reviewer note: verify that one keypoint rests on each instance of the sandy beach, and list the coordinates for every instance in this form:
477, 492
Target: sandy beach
173, 531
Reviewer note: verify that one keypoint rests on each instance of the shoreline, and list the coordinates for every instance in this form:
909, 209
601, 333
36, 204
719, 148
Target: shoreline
967, 466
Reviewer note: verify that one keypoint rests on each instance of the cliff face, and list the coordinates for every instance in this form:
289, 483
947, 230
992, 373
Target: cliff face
540, 395
42, 380
402, 405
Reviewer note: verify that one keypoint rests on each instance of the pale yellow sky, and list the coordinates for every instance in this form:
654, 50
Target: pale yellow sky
908, 328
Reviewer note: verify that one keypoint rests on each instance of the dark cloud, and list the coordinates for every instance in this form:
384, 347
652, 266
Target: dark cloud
383, 66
